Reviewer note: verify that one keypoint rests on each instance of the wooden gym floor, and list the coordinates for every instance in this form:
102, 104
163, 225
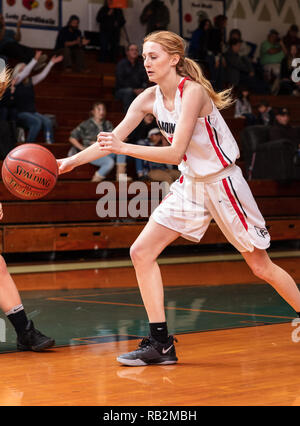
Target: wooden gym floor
236, 343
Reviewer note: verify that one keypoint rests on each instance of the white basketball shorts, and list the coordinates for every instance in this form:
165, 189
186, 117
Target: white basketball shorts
191, 204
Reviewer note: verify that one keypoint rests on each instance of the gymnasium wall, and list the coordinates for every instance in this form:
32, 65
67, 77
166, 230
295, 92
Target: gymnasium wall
253, 17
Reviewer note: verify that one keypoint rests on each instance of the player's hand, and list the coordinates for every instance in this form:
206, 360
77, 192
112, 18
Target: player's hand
56, 59
37, 54
65, 165
1, 212
109, 142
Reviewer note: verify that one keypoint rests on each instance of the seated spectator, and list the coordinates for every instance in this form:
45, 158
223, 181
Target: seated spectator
70, 44
131, 77
265, 115
216, 45
292, 37
239, 68
282, 128
243, 108
142, 130
155, 16
111, 20
156, 171
198, 49
85, 134
247, 48
272, 52
287, 85
11, 48
25, 98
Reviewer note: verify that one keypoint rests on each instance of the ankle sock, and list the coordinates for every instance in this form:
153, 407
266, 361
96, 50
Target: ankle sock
18, 318
159, 331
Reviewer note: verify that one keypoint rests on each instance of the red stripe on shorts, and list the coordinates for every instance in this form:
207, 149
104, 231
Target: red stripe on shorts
234, 204
211, 137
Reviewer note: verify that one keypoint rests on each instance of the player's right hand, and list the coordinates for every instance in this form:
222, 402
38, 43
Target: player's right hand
65, 165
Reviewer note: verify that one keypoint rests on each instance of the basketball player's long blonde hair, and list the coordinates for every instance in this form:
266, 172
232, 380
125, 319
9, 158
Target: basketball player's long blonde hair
173, 44
5, 79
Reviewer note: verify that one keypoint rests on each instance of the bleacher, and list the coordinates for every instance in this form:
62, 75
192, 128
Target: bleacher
66, 219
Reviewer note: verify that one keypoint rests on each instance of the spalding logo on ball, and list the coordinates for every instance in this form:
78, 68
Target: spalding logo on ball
29, 171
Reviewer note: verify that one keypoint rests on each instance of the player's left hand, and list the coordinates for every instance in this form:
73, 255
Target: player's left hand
1, 212
110, 142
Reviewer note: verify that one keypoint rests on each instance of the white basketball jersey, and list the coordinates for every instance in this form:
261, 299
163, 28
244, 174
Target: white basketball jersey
212, 147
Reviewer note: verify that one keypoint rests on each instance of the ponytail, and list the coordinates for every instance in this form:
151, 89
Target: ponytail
189, 68
175, 45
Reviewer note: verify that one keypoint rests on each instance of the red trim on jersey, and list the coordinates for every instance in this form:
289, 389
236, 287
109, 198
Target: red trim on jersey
234, 204
211, 137
180, 87
181, 179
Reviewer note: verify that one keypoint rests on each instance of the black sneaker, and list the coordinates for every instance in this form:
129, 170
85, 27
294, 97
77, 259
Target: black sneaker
33, 340
151, 352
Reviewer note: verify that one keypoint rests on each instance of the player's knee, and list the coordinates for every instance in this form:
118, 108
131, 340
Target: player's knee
3, 267
260, 271
138, 254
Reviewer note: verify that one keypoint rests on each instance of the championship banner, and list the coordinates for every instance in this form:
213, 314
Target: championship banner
41, 14
192, 10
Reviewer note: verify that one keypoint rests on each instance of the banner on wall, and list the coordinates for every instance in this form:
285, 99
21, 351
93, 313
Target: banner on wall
41, 14
192, 10
121, 4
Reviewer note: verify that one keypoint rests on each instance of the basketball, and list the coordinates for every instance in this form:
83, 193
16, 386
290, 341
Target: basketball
29, 171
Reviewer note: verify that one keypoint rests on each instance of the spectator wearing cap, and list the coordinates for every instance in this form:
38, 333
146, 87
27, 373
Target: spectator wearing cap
70, 44
266, 115
156, 171
272, 52
282, 128
292, 37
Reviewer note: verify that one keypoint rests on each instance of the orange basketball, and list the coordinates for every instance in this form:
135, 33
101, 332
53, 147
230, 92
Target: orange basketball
29, 171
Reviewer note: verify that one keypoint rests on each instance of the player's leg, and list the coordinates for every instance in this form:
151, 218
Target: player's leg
263, 267
28, 338
159, 347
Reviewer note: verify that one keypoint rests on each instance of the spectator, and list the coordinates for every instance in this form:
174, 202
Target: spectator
155, 16
243, 108
247, 48
85, 134
131, 77
25, 98
292, 37
272, 52
266, 115
156, 171
111, 20
11, 48
287, 85
70, 44
216, 45
282, 129
240, 70
198, 47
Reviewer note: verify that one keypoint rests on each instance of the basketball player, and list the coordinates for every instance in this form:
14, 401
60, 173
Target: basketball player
28, 338
211, 185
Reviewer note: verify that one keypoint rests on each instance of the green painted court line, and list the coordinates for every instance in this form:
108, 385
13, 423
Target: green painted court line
105, 264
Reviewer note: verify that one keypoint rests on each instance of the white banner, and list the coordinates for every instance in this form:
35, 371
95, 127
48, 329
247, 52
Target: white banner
35, 13
193, 9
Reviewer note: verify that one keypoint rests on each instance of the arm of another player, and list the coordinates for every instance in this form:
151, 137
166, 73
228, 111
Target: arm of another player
193, 101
